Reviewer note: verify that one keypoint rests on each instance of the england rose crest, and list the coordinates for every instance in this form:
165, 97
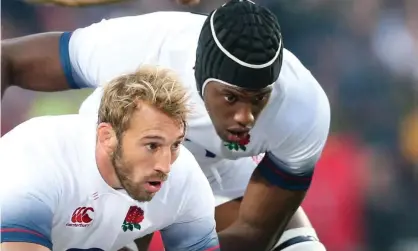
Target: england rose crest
134, 216
240, 145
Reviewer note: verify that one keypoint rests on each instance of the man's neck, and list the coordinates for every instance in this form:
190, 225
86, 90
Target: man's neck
106, 169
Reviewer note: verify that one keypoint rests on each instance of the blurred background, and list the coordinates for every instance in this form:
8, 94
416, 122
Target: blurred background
365, 55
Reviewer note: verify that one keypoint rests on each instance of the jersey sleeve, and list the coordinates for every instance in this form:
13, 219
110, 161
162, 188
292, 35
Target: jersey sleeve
290, 164
94, 55
28, 195
194, 229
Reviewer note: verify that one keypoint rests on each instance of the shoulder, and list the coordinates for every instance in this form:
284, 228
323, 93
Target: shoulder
300, 86
299, 97
105, 50
298, 112
153, 25
41, 147
31, 132
47, 128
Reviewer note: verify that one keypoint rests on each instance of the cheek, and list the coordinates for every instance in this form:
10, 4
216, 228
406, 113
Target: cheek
138, 158
134, 155
218, 110
134, 165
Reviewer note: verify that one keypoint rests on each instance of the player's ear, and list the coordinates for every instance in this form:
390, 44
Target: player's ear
106, 137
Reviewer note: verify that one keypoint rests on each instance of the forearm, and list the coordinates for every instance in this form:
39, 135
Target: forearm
298, 234
241, 237
264, 214
33, 62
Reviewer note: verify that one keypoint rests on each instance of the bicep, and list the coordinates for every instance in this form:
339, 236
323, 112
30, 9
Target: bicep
263, 215
34, 62
197, 235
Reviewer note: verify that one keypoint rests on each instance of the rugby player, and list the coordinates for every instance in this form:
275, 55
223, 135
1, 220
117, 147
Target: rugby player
76, 182
250, 97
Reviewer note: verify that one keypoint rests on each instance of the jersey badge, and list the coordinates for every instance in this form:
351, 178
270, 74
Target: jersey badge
134, 216
237, 146
81, 217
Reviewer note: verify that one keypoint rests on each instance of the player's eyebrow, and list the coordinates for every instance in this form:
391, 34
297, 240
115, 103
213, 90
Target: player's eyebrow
159, 138
154, 137
181, 137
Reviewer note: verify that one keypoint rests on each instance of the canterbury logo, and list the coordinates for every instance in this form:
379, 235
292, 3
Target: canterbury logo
80, 215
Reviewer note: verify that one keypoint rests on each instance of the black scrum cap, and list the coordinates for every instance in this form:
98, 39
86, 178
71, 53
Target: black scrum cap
240, 44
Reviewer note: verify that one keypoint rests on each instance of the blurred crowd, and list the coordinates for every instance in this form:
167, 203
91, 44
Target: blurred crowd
365, 55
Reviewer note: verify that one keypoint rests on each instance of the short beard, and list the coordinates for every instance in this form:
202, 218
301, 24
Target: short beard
121, 167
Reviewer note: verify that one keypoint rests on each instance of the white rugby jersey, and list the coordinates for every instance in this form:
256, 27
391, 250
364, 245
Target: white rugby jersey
291, 130
53, 194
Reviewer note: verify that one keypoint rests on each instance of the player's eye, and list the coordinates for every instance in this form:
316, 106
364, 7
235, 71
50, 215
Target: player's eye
230, 98
176, 146
152, 146
260, 98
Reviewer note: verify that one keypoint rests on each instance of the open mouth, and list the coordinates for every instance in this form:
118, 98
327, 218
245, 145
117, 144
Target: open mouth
155, 183
235, 136
153, 186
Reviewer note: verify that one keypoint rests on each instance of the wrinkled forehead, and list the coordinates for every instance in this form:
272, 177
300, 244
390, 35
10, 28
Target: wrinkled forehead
156, 118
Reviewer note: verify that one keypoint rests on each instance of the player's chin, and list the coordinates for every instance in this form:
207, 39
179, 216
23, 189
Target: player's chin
144, 197
141, 195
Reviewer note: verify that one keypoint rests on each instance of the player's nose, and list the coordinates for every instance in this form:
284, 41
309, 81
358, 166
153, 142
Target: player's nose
163, 162
244, 115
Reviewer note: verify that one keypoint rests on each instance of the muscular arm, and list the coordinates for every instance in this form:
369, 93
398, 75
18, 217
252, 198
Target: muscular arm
87, 57
264, 213
33, 62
